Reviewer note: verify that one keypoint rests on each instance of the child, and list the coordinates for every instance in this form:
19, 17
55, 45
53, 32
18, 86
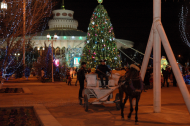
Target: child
69, 80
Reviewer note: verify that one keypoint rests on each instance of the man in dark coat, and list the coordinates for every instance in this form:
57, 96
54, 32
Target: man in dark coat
147, 79
81, 78
165, 75
174, 80
101, 70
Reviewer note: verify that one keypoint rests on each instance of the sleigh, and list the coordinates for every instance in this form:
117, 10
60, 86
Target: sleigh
94, 89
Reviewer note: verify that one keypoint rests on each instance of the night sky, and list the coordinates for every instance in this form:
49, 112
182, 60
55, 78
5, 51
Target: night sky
132, 20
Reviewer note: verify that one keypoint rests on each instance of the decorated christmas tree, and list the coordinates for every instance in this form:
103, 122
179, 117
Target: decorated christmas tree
100, 43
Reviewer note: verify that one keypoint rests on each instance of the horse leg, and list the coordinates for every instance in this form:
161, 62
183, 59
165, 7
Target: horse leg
125, 100
121, 102
131, 107
126, 97
136, 108
123, 105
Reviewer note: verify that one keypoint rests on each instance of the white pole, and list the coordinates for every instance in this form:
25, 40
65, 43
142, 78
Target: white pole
52, 59
175, 68
156, 58
147, 54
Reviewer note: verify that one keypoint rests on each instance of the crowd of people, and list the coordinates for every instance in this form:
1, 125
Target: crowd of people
70, 73
166, 76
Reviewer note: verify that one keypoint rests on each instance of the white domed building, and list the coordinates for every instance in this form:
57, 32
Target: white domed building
69, 42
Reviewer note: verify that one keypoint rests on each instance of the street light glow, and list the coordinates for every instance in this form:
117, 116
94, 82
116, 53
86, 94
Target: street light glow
3, 5
55, 36
48, 36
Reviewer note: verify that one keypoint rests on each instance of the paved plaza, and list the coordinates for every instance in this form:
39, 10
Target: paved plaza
61, 101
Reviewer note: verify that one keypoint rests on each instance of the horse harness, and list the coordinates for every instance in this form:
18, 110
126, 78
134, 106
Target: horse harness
128, 82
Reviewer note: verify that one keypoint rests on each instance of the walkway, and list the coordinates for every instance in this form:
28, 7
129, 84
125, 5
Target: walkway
62, 102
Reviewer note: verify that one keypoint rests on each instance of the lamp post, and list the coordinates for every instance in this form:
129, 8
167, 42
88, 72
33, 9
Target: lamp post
24, 24
17, 55
55, 37
3, 7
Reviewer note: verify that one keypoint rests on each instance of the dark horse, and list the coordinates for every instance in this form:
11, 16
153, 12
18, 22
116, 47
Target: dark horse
132, 85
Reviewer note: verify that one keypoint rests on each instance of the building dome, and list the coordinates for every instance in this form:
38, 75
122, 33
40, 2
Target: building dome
63, 19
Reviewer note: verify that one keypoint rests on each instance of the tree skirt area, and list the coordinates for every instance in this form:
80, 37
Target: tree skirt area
11, 90
23, 116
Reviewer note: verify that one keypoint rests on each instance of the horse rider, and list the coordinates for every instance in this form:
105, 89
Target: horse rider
101, 70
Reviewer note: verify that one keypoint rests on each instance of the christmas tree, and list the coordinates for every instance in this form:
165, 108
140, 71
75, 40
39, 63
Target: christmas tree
100, 43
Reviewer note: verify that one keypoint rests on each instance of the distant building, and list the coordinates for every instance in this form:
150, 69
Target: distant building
70, 41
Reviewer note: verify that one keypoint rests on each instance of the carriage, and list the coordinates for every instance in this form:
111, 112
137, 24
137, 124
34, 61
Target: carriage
93, 89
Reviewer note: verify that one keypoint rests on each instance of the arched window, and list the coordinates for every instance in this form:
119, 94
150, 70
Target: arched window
63, 50
57, 51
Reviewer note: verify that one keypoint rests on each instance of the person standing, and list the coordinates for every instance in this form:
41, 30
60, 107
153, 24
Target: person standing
71, 72
76, 70
101, 70
174, 79
81, 79
147, 79
165, 75
42, 75
77, 78
69, 80
67, 75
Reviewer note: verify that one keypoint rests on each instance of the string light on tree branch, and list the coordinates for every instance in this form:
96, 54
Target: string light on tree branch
182, 25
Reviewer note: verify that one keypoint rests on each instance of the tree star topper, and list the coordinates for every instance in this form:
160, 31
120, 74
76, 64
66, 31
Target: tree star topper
100, 1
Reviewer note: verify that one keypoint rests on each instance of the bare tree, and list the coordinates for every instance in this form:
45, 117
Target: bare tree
11, 27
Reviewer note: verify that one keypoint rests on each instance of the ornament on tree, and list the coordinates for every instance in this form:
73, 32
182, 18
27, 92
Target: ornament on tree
100, 39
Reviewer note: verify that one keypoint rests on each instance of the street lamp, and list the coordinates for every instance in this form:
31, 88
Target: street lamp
3, 7
17, 55
55, 37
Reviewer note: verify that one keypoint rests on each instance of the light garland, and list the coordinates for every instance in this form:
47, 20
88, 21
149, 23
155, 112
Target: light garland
182, 25
11, 30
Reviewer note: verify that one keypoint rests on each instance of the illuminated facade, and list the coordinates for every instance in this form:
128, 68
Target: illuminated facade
70, 41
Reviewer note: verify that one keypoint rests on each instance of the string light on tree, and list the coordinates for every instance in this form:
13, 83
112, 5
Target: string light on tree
100, 42
182, 25
13, 29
